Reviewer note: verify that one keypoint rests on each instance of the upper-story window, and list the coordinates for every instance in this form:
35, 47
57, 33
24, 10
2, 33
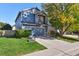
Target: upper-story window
25, 14
42, 19
28, 17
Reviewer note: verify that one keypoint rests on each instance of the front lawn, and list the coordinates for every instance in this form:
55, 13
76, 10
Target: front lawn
13, 46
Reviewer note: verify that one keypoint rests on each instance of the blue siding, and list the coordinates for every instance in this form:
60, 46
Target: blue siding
29, 18
18, 22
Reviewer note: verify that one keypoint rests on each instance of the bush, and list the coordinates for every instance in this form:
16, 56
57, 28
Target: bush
53, 34
22, 33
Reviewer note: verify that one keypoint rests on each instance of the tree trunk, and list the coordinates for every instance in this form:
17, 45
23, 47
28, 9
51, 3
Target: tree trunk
62, 31
66, 28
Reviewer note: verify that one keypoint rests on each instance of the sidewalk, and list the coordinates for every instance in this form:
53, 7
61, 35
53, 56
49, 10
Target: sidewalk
56, 48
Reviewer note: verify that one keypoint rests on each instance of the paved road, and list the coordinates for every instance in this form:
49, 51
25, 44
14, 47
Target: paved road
56, 48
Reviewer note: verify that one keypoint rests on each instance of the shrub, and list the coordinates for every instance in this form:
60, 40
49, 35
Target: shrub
22, 33
53, 33
17, 35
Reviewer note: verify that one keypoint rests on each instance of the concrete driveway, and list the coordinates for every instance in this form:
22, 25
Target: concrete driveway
56, 48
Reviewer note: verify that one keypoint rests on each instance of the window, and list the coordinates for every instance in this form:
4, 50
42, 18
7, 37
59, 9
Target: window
42, 19
29, 17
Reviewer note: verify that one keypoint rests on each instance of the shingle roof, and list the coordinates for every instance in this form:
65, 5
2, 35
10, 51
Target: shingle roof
31, 9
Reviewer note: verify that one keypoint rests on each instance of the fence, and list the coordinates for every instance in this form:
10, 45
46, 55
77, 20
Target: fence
7, 33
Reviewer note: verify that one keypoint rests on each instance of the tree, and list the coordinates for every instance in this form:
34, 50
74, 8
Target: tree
1, 25
7, 27
62, 15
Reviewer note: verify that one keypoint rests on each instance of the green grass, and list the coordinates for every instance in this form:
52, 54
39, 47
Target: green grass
13, 46
68, 39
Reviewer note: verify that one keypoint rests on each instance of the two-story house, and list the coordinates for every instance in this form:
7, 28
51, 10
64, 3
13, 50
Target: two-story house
32, 19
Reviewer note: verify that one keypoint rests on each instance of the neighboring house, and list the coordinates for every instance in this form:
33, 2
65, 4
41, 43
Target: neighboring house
13, 27
32, 19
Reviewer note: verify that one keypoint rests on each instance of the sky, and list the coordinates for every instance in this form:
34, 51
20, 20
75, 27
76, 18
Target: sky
9, 11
